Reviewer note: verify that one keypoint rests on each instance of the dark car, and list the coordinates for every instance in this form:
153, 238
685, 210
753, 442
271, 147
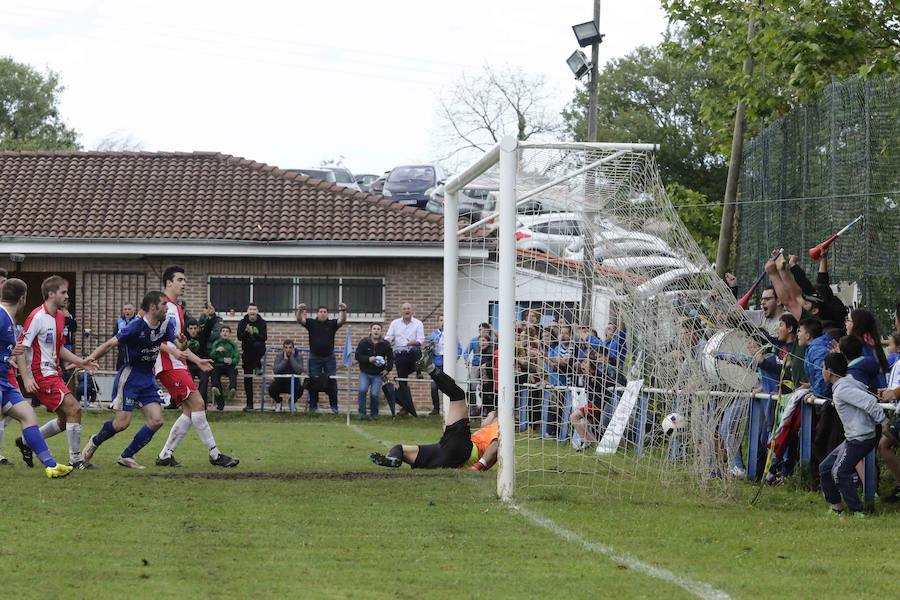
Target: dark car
408, 184
471, 201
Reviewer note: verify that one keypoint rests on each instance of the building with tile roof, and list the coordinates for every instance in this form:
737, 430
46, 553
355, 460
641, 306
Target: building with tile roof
111, 222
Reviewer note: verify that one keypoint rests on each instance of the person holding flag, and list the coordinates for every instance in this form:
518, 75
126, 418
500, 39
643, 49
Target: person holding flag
321, 350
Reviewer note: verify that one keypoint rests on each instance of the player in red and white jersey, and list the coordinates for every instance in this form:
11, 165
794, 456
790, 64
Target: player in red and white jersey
172, 372
39, 367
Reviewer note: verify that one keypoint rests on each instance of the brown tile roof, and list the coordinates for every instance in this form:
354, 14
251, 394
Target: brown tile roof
191, 196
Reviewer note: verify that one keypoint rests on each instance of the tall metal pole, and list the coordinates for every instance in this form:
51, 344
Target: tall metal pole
592, 84
506, 242
451, 299
589, 215
726, 229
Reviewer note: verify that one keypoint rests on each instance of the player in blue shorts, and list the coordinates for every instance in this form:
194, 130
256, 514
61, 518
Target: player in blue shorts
12, 300
135, 384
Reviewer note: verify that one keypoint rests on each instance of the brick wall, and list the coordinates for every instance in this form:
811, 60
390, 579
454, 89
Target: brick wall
419, 281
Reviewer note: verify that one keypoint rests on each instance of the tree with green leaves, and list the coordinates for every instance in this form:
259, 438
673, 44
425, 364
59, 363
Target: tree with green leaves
797, 47
650, 96
29, 110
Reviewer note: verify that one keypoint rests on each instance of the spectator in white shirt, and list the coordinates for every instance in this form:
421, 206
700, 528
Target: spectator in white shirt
406, 335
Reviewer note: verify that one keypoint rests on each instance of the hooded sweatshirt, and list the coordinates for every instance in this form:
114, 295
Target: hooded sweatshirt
857, 408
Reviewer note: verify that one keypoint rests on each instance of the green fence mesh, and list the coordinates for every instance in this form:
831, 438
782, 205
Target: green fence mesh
809, 174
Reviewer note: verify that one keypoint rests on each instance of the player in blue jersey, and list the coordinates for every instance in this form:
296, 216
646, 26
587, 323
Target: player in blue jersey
12, 300
135, 384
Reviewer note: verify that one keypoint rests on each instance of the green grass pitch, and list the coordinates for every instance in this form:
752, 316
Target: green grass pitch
306, 515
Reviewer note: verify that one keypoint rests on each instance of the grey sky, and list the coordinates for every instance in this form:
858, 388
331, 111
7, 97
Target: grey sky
291, 84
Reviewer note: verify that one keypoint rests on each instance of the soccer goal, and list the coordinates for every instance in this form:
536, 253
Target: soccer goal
615, 357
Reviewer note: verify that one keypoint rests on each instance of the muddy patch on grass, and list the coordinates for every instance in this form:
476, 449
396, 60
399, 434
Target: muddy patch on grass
297, 476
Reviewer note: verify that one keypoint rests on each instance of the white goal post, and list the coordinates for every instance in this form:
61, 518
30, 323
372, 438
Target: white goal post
506, 155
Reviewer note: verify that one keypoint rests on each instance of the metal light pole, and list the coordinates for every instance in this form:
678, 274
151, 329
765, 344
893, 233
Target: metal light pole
592, 84
590, 188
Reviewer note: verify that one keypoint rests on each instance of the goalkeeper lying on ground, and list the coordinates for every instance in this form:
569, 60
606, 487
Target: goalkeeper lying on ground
458, 447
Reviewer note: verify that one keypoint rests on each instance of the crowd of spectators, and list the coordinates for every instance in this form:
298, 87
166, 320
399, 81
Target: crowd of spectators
820, 349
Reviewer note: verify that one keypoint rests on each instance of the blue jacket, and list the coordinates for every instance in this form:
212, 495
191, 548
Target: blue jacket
814, 361
473, 351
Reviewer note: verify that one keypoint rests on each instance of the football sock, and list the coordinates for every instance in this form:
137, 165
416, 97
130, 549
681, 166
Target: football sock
204, 431
106, 432
396, 452
50, 428
3, 423
141, 439
73, 434
32, 437
179, 429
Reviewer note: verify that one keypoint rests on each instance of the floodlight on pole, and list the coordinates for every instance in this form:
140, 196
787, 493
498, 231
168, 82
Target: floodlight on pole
578, 63
587, 34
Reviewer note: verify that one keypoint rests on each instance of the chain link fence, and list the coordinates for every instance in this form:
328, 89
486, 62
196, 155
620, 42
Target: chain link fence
811, 173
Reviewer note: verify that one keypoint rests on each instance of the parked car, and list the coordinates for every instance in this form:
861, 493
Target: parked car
344, 177
550, 233
532, 206
472, 200
378, 185
365, 181
408, 184
322, 174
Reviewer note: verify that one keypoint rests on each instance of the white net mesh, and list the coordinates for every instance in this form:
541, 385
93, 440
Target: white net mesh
631, 354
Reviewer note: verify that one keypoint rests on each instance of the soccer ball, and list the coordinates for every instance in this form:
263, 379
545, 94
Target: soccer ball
672, 422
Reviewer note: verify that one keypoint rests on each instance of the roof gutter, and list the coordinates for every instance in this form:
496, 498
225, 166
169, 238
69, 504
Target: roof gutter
226, 248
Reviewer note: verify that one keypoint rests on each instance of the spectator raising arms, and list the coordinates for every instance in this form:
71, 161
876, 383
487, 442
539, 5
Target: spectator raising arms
322, 363
252, 333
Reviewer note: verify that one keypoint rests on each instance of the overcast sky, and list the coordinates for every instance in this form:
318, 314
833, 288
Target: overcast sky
294, 83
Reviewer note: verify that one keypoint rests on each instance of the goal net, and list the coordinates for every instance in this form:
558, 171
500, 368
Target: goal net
591, 321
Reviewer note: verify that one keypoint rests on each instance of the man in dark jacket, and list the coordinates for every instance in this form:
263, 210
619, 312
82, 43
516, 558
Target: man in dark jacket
287, 362
210, 325
321, 350
251, 331
375, 357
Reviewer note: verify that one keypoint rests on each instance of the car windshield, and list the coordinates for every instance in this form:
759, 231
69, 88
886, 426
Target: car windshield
405, 174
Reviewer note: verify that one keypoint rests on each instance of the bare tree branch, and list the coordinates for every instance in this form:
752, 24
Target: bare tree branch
477, 110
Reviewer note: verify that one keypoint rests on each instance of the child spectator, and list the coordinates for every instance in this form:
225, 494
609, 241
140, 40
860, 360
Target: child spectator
862, 324
861, 368
225, 357
860, 414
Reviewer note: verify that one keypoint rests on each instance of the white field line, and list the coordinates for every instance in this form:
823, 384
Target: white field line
697, 588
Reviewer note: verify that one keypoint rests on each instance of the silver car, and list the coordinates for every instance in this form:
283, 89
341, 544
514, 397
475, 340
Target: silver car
550, 233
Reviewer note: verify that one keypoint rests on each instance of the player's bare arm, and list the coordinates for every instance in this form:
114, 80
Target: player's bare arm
83, 363
25, 372
205, 364
102, 349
